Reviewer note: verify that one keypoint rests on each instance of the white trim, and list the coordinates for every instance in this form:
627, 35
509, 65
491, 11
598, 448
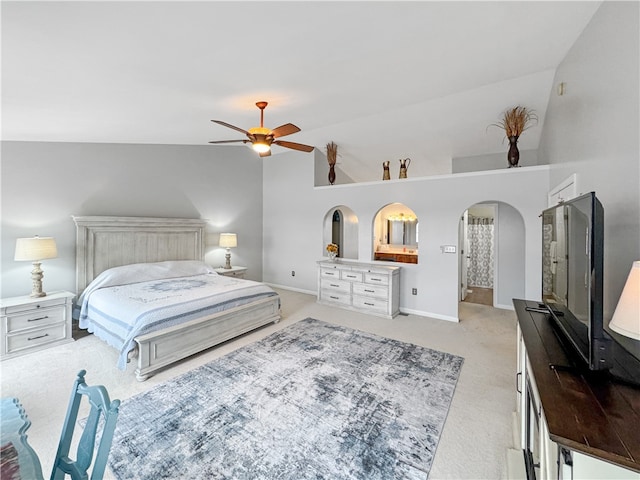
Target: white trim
568, 187
436, 316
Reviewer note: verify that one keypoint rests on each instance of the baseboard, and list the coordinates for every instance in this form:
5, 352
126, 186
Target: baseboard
505, 307
292, 289
437, 316
515, 465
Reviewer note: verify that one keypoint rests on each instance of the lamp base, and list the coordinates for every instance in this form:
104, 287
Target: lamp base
36, 281
227, 257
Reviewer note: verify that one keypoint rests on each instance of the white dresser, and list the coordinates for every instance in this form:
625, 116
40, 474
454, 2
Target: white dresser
363, 287
31, 324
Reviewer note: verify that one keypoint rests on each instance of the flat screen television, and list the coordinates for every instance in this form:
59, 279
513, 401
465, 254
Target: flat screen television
572, 277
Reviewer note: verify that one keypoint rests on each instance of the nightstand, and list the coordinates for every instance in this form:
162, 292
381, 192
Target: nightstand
237, 272
32, 324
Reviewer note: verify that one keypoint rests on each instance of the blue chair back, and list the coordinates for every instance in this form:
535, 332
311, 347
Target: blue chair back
98, 430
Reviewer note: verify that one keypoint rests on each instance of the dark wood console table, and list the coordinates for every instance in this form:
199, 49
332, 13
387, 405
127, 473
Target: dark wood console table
585, 412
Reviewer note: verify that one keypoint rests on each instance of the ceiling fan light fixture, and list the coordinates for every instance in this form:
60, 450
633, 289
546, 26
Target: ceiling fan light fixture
259, 131
261, 147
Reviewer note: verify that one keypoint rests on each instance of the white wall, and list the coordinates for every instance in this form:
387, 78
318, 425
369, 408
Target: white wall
510, 256
493, 161
294, 211
43, 184
594, 131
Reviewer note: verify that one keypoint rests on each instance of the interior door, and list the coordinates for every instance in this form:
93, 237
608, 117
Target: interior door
463, 248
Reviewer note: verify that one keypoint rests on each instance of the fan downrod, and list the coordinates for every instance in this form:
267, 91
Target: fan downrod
261, 106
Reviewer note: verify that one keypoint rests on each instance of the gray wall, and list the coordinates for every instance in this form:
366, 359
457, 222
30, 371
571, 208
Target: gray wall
294, 212
43, 184
593, 131
477, 163
510, 256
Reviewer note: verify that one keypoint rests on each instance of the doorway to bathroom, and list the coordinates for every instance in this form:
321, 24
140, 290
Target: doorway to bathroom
477, 250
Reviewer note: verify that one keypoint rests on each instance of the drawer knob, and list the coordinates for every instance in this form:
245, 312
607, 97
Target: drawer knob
369, 291
335, 298
370, 304
333, 285
39, 318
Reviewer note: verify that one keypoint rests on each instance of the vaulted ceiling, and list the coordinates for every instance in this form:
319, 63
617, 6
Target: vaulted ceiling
383, 80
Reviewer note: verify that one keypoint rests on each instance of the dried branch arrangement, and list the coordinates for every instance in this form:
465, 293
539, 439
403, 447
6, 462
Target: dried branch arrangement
332, 153
516, 120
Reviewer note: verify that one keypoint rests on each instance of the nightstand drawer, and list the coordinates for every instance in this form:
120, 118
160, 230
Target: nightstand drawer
30, 324
34, 338
34, 305
35, 318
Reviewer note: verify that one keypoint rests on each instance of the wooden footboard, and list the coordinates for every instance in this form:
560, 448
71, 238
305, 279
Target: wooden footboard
159, 349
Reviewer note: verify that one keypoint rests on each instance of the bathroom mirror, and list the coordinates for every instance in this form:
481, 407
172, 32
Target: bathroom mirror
396, 231
402, 231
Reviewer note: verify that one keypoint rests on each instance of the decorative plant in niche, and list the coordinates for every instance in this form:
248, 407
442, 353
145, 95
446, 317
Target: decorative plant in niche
332, 250
514, 121
332, 155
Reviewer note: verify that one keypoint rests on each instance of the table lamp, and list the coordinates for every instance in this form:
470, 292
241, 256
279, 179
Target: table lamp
626, 318
34, 250
228, 240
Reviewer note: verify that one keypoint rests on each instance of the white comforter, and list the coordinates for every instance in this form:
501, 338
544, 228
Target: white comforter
125, 302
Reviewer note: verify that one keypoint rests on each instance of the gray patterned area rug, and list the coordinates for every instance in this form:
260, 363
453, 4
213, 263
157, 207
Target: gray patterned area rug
312, 401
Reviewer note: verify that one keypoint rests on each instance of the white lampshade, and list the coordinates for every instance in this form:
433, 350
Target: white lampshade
626, 318
228, 240
36, 248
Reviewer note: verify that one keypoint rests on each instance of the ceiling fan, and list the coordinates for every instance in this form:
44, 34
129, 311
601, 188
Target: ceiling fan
262, 138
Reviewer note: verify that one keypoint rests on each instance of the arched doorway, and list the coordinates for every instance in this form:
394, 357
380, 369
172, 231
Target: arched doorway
492, 254
340, 226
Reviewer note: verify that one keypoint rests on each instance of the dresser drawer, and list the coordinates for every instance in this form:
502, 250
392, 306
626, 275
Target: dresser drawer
376, 278
370, 290
33, 338
351, 276
329, 273
336, 297
335, 285
371, 304
35, 318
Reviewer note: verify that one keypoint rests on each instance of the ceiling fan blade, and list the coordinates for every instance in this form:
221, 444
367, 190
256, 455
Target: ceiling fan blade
294, 146
286, 129
225, 124
229, 141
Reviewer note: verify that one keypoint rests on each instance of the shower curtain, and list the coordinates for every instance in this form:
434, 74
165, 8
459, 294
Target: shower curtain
480, 266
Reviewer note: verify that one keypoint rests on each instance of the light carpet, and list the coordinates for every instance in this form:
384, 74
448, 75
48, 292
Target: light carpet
313, 400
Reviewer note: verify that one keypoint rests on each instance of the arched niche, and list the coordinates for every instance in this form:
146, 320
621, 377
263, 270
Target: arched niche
395, 234
340, 226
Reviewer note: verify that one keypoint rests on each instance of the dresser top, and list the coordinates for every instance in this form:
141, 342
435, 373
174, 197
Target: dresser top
357, 266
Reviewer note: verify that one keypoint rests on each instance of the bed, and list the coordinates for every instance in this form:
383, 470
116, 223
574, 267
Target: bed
143, 288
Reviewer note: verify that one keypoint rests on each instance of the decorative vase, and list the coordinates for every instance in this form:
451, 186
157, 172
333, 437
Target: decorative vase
332, 175
404, 165
332, 256
385, 171
513, 155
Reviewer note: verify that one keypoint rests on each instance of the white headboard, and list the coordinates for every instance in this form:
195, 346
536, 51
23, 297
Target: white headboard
107, 242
